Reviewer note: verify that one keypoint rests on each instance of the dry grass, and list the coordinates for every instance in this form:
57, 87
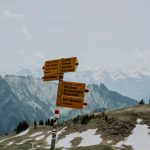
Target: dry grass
113, 125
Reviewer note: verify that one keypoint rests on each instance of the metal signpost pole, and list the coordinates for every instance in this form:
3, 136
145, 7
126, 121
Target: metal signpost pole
69, 94
54, 135
55, 124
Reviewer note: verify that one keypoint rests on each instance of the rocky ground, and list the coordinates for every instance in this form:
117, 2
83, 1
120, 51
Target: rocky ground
112, 127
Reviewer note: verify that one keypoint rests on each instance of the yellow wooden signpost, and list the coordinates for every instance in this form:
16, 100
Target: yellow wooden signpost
53, 68
69, 64
69, 94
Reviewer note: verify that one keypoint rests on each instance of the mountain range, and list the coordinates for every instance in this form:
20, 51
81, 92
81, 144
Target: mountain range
133, 84
27, 98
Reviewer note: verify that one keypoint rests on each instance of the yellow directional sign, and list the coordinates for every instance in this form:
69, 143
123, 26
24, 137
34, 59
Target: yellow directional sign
52, 66
51, 77
73, 89
69, 64
70, 94
72, 102
59, 93
51, 70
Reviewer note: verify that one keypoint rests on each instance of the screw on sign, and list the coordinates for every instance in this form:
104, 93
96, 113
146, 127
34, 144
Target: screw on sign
61, 76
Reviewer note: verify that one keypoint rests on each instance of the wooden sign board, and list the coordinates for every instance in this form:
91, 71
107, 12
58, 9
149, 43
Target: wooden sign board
52, 67
59, 94
51, 70
72, 102
68, 64
51, 77
73, 89
70, 94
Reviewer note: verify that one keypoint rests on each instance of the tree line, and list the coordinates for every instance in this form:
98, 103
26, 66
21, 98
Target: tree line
23, 125
143, 102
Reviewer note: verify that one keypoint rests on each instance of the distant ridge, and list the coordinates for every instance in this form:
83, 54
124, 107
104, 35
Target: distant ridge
27, 98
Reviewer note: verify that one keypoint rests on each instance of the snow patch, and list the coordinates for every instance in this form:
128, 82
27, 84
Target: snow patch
49, 132
36, 134
20, 143
38, 146
22, 133
40, 137
34, 105
48, 139
48, 147
139, 139
11, 143
66, 141
139, 121
4, 140
110, 141
88, 138
61, 131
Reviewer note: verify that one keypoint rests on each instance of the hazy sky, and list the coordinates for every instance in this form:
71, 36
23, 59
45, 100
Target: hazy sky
112, 33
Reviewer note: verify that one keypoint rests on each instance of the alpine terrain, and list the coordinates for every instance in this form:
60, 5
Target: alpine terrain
27, 98
122, 129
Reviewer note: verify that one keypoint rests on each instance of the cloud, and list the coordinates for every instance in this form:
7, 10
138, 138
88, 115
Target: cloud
12, 15
142, 55
19, 18
27, 34
39, 55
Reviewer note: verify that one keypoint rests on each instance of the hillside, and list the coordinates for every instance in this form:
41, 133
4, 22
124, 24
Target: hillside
112, 130
27, 98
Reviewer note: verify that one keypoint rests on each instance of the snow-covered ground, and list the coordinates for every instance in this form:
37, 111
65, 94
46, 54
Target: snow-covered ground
23, 133
110, 141
10, 143
139, 139
36, 134
22, 142
48, 139
40, 137
61, 131
65, 142
88, 138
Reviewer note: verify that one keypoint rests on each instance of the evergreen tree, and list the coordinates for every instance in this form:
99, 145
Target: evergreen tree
41, 122
46, 122
141, 102
85, 119
52, 121
22, 126
35, 124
